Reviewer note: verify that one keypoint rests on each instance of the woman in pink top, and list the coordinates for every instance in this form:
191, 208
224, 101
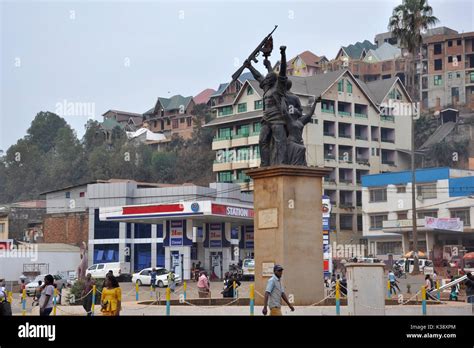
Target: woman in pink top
203, 286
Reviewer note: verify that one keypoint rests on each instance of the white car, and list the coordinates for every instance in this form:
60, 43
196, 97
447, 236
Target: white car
32, 286
99, 270
144, 278
248, 268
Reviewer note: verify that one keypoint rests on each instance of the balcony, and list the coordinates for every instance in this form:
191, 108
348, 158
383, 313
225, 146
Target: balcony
329, 134
344, 113
329, 181
363, 161
360, 115
387, 118
220, 166
345, 136
345, 160
329, 157
240, 140
361, 137
387, 162
241, 164
346, 181
346, 205
221, 142
386, 140
328, 111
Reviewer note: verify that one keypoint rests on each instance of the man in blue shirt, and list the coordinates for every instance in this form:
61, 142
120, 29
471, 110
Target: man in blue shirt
393, 282
274, 293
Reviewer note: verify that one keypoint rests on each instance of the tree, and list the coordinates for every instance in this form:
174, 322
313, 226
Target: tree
44, 130
407, 23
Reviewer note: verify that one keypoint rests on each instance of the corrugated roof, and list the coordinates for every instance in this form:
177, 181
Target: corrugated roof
246, 76
355, 50
385, 52
379, 88
110, 124
308, 57
203, 97
175, 102
220, 89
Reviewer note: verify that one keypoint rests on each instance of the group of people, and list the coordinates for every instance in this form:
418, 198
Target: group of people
171, 278
229, 281
110, 299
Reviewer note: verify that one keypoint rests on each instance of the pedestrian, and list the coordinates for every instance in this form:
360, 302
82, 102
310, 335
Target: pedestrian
111, 299
22, 285
429, 287
46, 299
343, 285
453, 296
87, 294
393, 282
153, 275
36, 294
274, 293
204, 289
171, 281
109, 273
225, 290
469, 282
5, 306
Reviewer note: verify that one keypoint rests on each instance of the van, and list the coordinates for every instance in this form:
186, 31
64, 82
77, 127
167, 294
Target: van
248, 269
424, 264
99, 270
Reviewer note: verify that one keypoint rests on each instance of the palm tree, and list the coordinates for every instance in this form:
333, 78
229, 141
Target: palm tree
407, 23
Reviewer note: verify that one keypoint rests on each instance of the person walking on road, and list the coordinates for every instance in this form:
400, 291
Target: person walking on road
47, 294
429, 286
87, 294
153, 275
111, 299
393, 282
274, 293
204, 289
469, 282
171, 281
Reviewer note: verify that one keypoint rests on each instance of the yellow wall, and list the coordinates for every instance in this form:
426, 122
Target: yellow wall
4, 221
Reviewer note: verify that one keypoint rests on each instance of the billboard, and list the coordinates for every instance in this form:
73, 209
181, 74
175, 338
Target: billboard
176, 233
249, 237
215, 235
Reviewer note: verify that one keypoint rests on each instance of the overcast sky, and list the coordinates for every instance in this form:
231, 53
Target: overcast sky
102, 55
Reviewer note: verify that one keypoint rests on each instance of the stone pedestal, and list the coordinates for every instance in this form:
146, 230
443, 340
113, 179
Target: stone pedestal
288, 230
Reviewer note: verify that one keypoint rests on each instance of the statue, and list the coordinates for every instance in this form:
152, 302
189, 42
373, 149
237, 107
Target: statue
295, 122
272, 140
283, 121
82, 268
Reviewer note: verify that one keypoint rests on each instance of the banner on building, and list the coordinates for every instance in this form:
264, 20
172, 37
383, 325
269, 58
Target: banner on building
326, 213
215, 235
447, 224
234, 233
176, 235
249, 237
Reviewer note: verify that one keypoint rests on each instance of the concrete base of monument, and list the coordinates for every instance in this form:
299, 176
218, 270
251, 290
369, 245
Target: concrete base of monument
288, 230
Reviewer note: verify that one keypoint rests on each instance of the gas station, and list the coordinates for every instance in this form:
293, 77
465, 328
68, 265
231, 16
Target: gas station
184, 233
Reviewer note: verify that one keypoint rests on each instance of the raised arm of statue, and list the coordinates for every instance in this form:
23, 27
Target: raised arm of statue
283, 61
268, 65
256, 74
307, 117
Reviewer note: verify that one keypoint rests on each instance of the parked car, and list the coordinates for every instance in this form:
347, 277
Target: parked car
99, 270
144, 278
248, 269
31, 287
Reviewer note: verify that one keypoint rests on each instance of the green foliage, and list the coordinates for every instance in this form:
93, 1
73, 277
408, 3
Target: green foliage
78, 287
50, 156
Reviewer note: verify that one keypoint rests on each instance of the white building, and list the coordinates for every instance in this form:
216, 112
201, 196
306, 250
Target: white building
441, 193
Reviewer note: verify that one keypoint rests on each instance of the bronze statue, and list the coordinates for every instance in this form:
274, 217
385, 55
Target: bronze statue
272, 140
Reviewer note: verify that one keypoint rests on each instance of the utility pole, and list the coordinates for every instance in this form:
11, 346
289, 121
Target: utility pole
416, 267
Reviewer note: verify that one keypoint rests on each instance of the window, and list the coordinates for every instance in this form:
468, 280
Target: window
450, 43
225, 133
145, 272
258, 104
450, 76
181, 120
455, 91
175, 123
459, 42
225, 111
384, 248
340, 86
378, 195
437, 49
426, 191
82, 194
256, 127
427, 213
376, 221
349, 87
168, 122
463, 214
242, 107
345, 222
242, 130
2, 228
458, 74
459, 58
401, 189
471, 77
68, 194
225, 177
188, 121
438, 80
249, 90
450, 59
402, 215
101, 266
438, 64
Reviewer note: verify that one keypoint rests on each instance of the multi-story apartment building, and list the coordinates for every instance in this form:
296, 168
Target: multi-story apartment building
347, 134
441, 193
171, 116
305, 64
